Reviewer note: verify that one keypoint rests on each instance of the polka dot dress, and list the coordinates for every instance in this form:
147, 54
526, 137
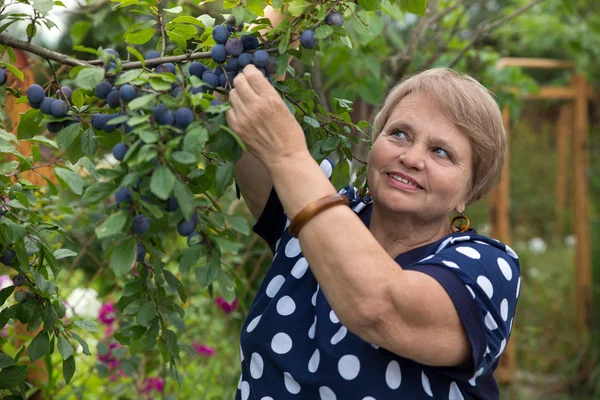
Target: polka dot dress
293, 346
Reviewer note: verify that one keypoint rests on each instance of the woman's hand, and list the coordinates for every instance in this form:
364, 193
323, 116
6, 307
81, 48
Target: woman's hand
262, 120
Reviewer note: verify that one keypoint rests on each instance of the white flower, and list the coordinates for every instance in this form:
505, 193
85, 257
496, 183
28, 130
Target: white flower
570, 240
5, 281
537, 245
83, 303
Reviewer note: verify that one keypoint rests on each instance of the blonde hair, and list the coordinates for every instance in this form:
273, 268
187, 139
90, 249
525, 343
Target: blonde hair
471, 107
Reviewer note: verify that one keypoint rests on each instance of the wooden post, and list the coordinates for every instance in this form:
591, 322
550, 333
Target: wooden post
501, 231
583, 268
562, 133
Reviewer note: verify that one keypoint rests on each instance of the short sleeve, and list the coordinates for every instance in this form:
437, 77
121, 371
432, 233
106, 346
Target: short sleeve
482, 277
272, 221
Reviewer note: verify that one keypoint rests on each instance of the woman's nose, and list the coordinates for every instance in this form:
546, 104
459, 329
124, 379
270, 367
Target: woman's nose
413, 158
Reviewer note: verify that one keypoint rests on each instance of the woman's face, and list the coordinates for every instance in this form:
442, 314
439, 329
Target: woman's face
420, 164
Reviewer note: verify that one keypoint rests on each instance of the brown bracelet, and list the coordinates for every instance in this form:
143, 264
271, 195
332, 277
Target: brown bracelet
313, 209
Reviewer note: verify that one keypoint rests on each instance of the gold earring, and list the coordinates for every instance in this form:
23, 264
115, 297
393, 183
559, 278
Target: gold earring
462, 226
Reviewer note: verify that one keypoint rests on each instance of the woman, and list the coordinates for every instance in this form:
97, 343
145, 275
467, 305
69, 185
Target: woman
380, 300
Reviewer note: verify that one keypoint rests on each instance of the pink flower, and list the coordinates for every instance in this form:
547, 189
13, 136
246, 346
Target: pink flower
4, 331
203, 349
5, 281
107, 313
153, 384
225, 306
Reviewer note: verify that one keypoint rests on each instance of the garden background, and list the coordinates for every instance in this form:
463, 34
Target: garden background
468, 35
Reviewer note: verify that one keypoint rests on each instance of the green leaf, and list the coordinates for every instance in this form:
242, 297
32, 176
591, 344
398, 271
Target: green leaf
69, 368
98, 191
174, 10
73, 181
137, 55
112, 225
29, 124
39, 346
8, 167
43, 6
78, 33
89, 145
189, 257
184, 197
226, 286
175, 284
194, 141
141, 36
141, 101
146, 314
311, 121
123, 257
369, 5
6, 360
162, 181
14, 70
414, 6
64, 348
12, 376
43, 140
14, 232
340, 176
128, 76
89, 77
83, 343
77, 98
207, 275
5, 294
88, 325
323, 31
67, 136
183, 157
224, 178
64, 253
285, 41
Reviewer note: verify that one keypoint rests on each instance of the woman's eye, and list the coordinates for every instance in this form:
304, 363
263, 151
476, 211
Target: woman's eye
441, 152
400, 134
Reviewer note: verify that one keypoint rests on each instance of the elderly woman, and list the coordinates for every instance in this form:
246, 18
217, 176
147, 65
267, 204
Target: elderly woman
386, 298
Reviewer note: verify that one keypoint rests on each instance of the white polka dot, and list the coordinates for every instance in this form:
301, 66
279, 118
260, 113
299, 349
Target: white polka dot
461, 239
502, 346
505, 268
240, 382
313, 363
369, 398
349, 367
518, 287
333, 317
326, 167
267, 398
450, 264
341, 333
471, 290
511, 321
286, 306
326, 393
277, 245
393, 375
455, 393
256, 366
504, 310
477, 375
245, 390
428, 258
287, 223
443, 245
253, 324
241, 353
292, 248
281, 343
490, 323
487, 350
290, 384
314, 296
469, 252
511, 252
300, 268
425, 383
274, 286
486, 285
480, 242
376, 347
313, 327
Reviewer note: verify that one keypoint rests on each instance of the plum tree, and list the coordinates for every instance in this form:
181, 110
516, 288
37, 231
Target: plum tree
307, 39
127, 93
45, 105
219, 53
140, 252
119, 151
140, 224
3, 77
123, 195
261, 58
35, 95
234, 47
59, 108
7, 257
19, 280
186, 227
334, 18
220, 34
102, 90
249, 42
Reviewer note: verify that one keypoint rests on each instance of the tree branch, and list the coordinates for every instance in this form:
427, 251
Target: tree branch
442, 44
40, 51
318, 84
161, 26
487, 28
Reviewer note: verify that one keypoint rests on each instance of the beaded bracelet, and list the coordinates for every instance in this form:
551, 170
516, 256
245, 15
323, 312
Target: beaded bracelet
313, 208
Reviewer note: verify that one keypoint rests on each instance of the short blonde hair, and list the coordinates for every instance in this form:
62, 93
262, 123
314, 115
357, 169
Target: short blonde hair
472, 108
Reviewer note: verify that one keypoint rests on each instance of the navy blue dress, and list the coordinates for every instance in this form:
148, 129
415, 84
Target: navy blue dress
293, 346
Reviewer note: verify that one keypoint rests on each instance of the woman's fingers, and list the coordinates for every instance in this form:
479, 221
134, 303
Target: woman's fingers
245, 91
258, 82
